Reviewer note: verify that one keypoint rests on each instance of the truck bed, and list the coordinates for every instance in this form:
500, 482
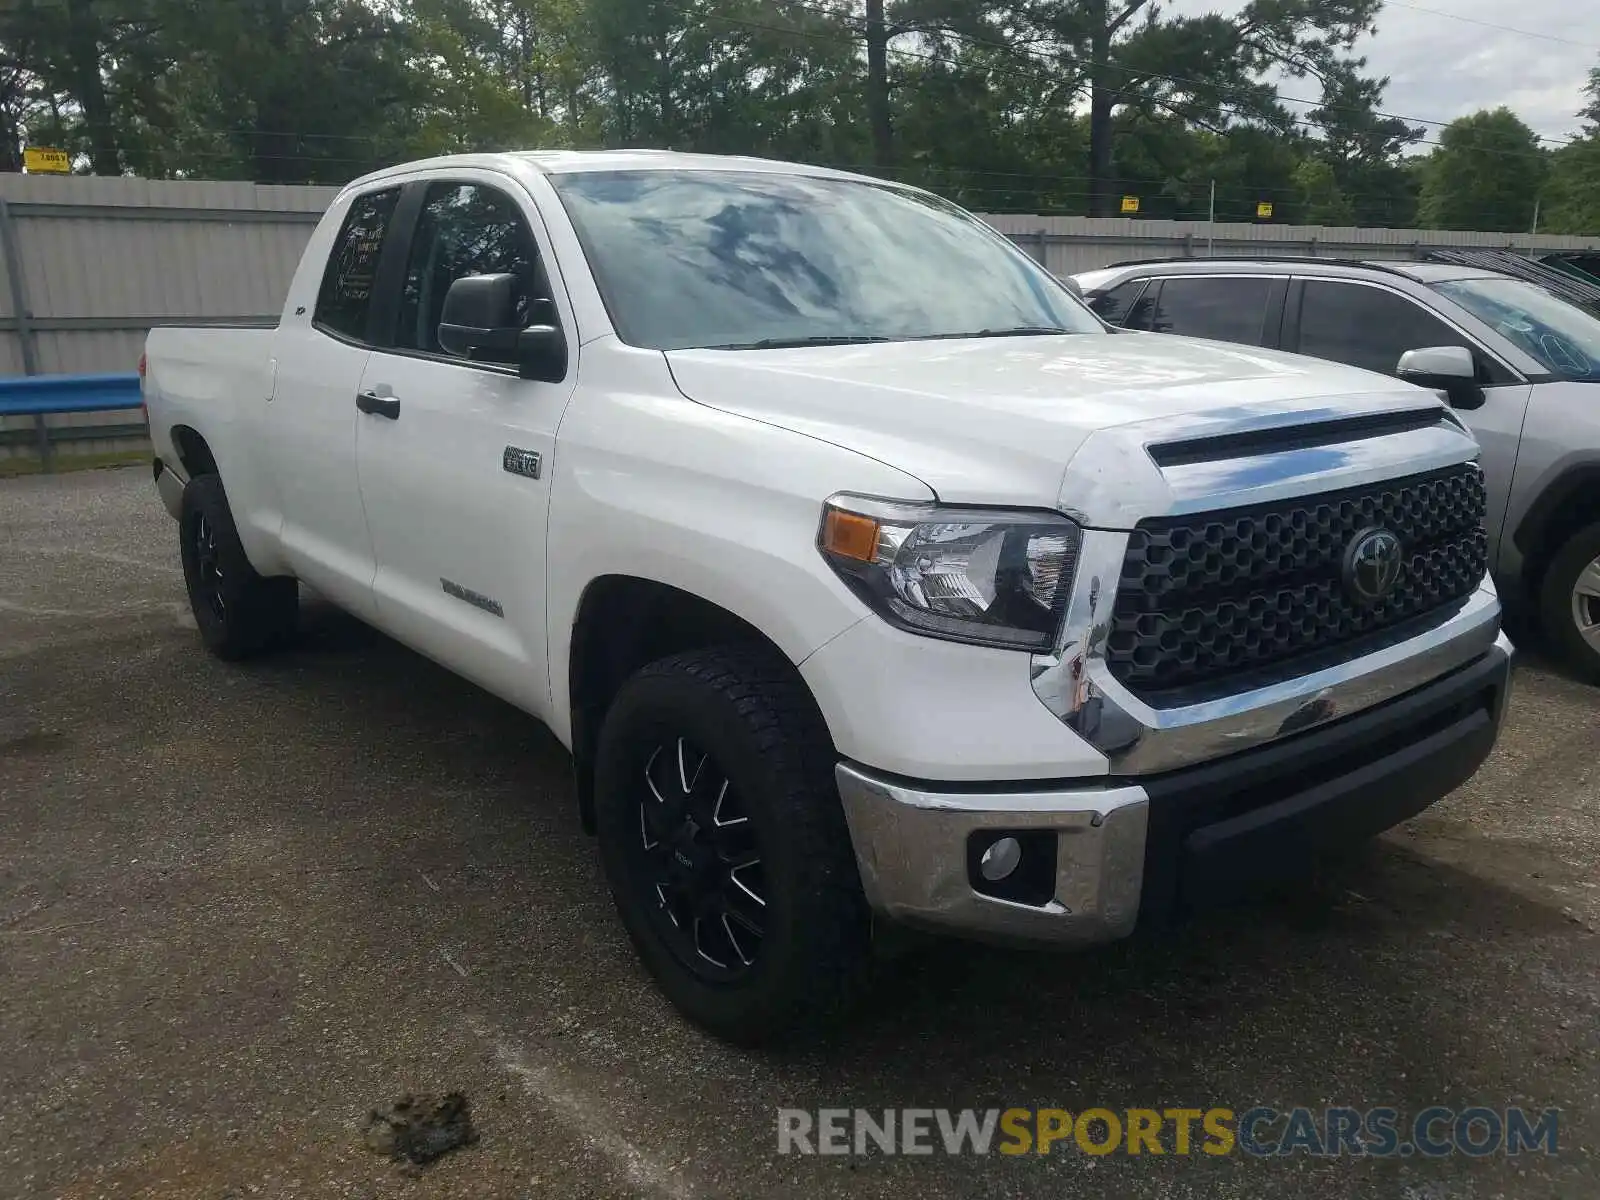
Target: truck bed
204, 378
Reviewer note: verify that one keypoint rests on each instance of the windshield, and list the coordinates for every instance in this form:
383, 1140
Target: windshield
1562, 336
745, 260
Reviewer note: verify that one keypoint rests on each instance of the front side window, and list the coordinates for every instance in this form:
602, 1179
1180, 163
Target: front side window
1227, 310
1564, 338
1367, 326
345, 298
1113, 307
463, 229
746, 260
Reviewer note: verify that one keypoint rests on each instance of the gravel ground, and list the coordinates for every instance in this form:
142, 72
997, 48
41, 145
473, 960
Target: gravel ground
242, 906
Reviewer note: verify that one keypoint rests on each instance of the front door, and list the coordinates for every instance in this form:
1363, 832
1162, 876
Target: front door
455, 456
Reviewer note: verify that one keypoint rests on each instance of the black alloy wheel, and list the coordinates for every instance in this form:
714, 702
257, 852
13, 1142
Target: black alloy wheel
238, 611
725, 844
702, 861
208, 566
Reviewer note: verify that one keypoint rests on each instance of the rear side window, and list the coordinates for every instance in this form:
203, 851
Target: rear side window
1228, 310
1367, 326
346, 295
465, 229
1114, 307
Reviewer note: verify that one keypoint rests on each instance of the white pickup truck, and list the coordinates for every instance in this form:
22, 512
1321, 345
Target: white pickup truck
866, 574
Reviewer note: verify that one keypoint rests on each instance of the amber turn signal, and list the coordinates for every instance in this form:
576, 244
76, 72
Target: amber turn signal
850, 535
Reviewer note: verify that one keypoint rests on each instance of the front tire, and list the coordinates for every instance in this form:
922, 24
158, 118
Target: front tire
239, 613
725, 845
1569, 603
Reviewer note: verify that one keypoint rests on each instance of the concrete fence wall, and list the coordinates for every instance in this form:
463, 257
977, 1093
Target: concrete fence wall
91, 264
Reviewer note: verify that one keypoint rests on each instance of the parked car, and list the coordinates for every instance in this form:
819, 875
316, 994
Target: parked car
857, 596
1520, 365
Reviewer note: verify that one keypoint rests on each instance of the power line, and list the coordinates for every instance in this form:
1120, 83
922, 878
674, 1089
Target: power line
1547, 37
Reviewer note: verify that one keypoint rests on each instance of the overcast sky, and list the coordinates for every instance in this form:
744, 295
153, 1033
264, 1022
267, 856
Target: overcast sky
1441, 68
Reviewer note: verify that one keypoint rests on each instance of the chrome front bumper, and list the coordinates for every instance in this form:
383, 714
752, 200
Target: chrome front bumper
1076, 685
1120, 842
911, 847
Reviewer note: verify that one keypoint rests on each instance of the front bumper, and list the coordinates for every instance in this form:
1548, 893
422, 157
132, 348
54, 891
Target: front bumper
1144, 848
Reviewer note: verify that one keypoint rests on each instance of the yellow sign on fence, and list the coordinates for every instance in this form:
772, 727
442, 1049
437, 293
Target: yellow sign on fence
1264, 210
46, 162
1130, 204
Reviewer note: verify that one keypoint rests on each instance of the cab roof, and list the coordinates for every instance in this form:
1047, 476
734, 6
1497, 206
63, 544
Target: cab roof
567, 162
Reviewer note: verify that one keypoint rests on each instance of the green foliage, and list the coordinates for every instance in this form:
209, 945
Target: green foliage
1573, 196
1045, 106
1486, 174
1321, 201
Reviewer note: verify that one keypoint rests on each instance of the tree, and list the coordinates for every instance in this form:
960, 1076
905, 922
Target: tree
1363, 147
1574, 190
1486, 174
1127, 56
1320, 200
1020, 105
70, 51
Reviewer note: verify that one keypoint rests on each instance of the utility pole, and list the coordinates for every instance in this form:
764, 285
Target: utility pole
878, 88
1211, 224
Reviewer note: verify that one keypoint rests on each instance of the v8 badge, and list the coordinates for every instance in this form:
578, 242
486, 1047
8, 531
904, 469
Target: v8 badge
521, 462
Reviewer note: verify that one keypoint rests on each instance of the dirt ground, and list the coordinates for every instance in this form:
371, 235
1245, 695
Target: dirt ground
240, 907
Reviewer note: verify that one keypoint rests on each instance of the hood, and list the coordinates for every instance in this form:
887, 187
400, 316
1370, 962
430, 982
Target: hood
997, 420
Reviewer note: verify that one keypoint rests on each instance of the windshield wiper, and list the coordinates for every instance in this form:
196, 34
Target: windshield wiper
1017, 331
815, 340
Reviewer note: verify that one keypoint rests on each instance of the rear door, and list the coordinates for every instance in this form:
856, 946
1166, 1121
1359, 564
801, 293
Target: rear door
310, 430
1245, 309
455, 459
1368, 325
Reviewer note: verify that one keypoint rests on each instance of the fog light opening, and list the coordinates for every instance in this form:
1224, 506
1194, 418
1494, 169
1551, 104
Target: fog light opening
1002, 857
1016, 865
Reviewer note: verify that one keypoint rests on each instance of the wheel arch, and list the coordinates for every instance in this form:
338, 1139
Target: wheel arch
624, 622
1568, 503
194, 452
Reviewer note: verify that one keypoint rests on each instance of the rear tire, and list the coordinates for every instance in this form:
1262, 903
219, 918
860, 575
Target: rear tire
239, 613
752, 952
1569, 603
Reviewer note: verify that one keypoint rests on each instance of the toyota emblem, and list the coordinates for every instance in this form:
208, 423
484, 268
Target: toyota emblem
1372, 565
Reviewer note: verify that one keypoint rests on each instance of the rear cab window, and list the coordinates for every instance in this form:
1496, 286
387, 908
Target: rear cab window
344, 302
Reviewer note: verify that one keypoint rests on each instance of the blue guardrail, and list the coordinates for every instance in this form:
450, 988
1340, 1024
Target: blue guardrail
29, 395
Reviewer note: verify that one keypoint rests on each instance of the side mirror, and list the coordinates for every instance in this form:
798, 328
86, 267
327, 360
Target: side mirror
542, 353
479, 318
1072, 285
479, 322
1447, 369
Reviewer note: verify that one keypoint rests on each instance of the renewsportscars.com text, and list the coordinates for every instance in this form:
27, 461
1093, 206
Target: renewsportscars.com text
1261, 1131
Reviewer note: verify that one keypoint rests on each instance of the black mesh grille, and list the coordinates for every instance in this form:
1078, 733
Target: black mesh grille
1209, 597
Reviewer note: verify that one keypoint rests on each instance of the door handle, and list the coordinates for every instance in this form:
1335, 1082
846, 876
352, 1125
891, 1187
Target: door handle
379, 406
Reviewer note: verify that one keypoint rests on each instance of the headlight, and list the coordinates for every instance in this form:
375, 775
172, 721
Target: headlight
993, 577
